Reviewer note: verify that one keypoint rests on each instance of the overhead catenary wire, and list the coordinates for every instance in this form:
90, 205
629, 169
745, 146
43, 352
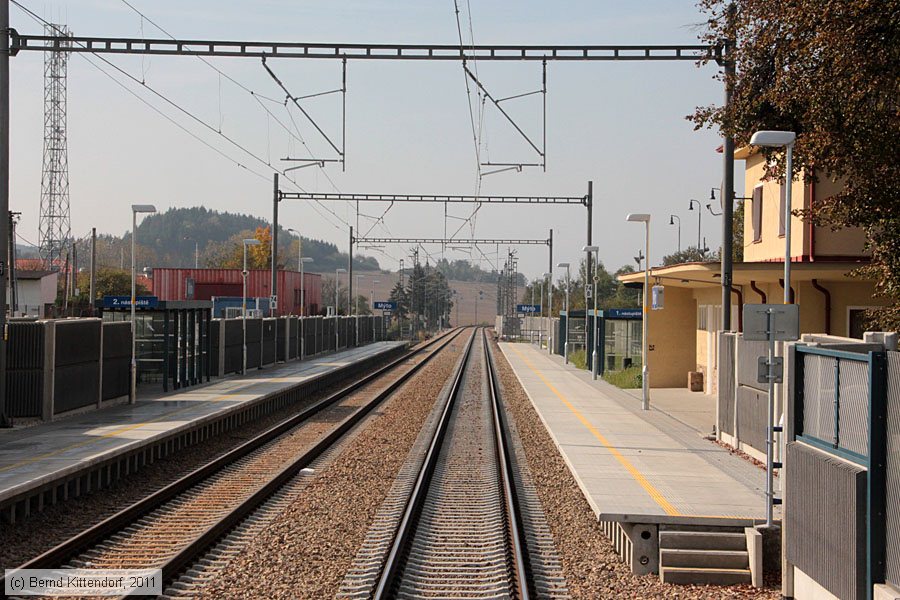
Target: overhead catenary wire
193, 117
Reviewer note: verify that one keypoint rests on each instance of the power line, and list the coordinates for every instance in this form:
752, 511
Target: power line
253, 93
218, 151
172, 103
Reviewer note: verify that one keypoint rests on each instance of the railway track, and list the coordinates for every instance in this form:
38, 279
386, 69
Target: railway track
461, 532
173, 527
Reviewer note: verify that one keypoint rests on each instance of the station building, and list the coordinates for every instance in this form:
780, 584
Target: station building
833, 299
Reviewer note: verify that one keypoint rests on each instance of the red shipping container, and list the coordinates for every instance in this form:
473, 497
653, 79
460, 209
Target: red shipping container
171, 284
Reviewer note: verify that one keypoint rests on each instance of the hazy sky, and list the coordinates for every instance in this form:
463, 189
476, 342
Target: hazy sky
621, 125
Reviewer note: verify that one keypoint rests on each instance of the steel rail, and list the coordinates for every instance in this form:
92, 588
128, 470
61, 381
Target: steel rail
387, 582
515, 523
97, 533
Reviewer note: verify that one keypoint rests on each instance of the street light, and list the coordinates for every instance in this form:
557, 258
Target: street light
246, 242
549, 278
337, 285
357, 305
595, 357
299, 246
672, 219
565, 265
786, 139
135, 209
645, 321
196, 251
303, 261
699, 215
372, 306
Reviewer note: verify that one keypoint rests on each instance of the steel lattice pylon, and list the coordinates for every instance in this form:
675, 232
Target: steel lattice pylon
55, 225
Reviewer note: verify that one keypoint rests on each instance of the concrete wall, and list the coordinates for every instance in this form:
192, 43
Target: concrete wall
672, 339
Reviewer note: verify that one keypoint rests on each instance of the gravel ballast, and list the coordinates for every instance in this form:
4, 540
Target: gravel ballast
590, 563
55, 524
306, 551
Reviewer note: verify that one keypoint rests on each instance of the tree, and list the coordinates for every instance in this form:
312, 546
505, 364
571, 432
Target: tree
828, 71
611, 292
429, 296
399, 295
230, 253
689, 255
109, 282
328, 295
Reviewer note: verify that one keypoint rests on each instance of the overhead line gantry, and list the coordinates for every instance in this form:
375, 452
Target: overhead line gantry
15, 42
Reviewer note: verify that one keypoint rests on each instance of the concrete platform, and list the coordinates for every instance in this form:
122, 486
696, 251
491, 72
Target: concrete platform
697, 410
632, 465
34, 457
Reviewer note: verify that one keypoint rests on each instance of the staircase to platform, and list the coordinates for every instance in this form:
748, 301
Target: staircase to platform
714, 556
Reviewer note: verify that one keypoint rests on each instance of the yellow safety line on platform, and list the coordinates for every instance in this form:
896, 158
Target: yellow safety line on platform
116, 432
125, 429
638, 476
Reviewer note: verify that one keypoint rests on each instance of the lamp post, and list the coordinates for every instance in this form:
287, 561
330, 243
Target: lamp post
356, 312
303, 261
645, 320
549, 277
372, 307
595, 357
135, 209
196, 251
699, 217
246, 242
565, 265
672, 219
785, 139
337, 285
777, 139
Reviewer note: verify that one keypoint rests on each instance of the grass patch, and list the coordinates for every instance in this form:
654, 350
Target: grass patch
578, 358
629, 378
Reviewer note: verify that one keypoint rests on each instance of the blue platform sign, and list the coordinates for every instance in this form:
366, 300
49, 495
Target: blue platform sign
528, 308
622, 313
385, 305
125, 302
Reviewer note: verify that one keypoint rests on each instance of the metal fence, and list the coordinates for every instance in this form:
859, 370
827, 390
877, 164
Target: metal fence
892, 472
839, 411
835, 400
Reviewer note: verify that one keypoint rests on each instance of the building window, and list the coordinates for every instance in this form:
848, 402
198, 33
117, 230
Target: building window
757, 213
781, 210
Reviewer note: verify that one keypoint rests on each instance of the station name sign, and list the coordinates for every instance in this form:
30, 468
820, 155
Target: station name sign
622, 313
528, 308
125, 302
385, 305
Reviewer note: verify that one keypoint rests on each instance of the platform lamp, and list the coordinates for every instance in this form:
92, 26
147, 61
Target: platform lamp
672, 219
645, 321
372, 306
595, 357
699, 220
135, 209
246, 242
549, 277
303, 261
337, 285
565, 265
541, 335
785, 139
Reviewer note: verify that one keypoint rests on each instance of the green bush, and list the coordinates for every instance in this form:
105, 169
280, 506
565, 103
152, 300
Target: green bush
630, 378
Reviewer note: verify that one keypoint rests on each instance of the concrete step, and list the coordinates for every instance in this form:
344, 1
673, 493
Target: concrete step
684, 575
706, 559
702, 540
